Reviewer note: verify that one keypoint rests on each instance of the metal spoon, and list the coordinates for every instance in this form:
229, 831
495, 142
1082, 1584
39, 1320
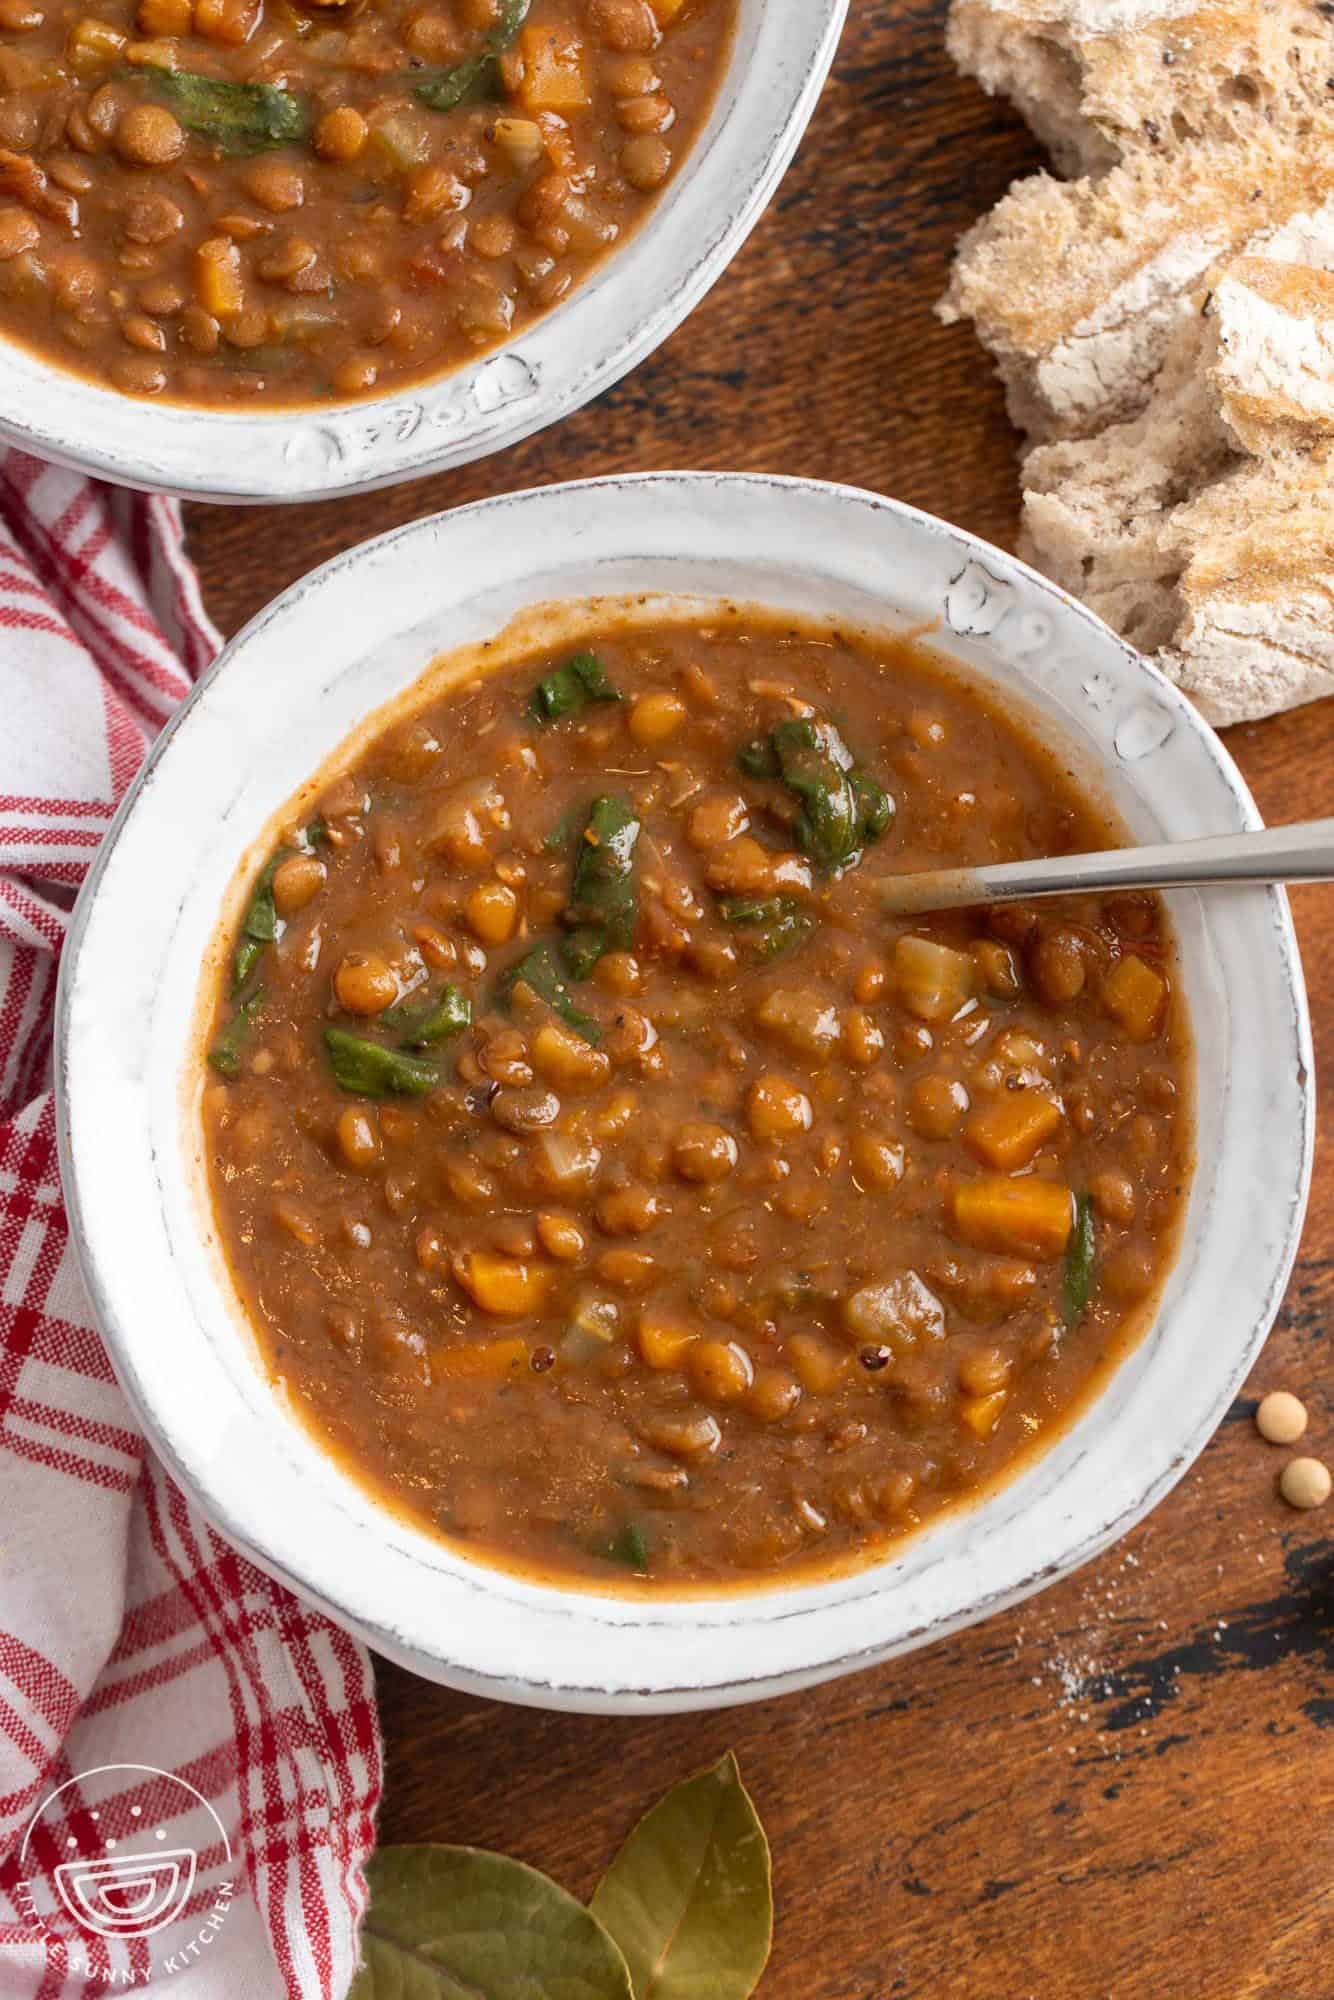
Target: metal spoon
1303, 853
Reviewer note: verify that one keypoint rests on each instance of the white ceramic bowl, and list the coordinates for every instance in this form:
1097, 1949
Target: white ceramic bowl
642, 292
282, 697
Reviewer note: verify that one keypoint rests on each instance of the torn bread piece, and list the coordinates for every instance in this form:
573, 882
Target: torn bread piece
1078, 287
1256, 633
1097, 79
1231, 591
1251, 372
1217, 563
1272, 370
1099, 513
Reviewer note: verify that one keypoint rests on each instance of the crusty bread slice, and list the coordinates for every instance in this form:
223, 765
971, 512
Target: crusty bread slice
1078, 287
1231, 591
1219, 563
1272, 367
1257, 589
1097, 79
1099, 513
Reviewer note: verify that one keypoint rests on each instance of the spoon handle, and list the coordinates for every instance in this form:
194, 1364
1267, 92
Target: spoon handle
1302, 853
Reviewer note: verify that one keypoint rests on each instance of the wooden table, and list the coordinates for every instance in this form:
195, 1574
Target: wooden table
1121, 1789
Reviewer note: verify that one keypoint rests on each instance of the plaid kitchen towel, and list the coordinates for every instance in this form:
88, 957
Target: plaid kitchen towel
189, 1759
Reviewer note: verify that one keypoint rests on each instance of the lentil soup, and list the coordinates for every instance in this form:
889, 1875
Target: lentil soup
613, 1186
276, 201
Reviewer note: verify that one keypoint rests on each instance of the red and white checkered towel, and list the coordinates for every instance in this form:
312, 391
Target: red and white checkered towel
220, 1738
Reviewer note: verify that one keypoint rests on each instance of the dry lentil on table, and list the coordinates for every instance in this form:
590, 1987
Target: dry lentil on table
784, 1223
223, 201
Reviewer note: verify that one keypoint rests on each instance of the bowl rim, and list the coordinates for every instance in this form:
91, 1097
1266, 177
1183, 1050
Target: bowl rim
626, 307
752, 1609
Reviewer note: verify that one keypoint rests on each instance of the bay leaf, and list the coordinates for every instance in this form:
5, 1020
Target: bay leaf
457, 1923
688, 1899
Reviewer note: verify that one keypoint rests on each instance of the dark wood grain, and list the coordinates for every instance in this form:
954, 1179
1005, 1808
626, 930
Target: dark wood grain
1121, 1789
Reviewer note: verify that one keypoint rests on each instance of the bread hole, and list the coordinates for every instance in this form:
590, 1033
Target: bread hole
1060, 81
1241, 90
1058, 61
1136, 620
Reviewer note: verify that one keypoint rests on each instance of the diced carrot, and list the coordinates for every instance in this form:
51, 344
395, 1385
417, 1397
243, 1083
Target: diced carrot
1023, 1218
558, 145
983, 1413
1008, 1132
553, 71
165, 17
663, 1340
218, 277
1134, 995
502, 1285
490, 1362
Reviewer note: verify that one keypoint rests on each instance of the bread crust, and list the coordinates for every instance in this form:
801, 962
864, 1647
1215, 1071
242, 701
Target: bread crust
1077, 287
1100, 79
1202, 529
1257, 592
1272, 366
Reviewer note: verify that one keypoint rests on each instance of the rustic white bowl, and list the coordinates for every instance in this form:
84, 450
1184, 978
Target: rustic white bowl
642, 292
282, 697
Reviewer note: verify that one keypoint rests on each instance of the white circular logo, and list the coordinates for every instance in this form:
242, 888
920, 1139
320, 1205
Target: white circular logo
126, 1852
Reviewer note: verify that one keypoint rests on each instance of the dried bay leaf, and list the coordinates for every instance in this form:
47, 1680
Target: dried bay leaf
688, 1899
457, 1923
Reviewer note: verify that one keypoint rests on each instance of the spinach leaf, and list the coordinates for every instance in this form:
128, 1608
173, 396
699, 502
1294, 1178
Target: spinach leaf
259, 925
774, 924
225, 1054
758, 758
842, 807
444, 89
421, 1024
246, 957
239, 117
540, 971
569, 689
604, 903
875, 808
370, 1070
1080, 1252
629, 1546
565, 829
